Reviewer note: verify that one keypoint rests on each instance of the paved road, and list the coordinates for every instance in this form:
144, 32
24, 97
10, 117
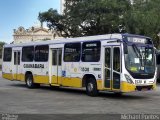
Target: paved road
17, 99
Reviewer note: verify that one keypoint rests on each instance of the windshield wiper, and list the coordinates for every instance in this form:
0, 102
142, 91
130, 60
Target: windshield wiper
138, 54
136, 50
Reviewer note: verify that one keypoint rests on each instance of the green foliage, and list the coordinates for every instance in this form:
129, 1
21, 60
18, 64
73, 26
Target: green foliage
1, 48
54, 21
95, 17
87, 17
144, 19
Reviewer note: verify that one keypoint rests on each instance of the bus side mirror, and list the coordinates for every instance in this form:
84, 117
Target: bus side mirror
125, 49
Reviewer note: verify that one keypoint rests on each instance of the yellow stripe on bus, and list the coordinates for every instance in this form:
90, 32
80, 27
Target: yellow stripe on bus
7, 76
72, 82
126, 87
41, 79
100, 85
20, 77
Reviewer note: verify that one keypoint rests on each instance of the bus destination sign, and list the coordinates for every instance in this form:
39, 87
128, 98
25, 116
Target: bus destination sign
137, 40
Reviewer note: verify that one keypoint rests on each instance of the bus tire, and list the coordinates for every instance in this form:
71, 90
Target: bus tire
29, 81
91, 87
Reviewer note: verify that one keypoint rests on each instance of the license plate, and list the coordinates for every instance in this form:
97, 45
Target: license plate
145, 89
138, 82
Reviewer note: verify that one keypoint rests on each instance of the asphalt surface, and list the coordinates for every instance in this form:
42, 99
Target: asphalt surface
15, 98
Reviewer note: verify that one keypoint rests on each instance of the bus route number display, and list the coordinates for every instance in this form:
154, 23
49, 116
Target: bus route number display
137, 40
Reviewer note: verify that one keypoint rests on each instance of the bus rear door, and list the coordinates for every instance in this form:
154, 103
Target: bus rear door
16, 65
56, 66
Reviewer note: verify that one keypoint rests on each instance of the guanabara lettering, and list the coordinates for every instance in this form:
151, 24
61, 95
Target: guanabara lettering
33, 65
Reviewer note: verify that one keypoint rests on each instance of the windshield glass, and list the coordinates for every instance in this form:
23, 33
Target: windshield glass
140, 59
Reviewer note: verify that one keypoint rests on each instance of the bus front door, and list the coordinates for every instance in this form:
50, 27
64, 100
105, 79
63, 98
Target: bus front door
16, 69
56, 65
112, 68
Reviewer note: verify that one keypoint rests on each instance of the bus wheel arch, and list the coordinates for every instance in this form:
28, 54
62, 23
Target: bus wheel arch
89, 81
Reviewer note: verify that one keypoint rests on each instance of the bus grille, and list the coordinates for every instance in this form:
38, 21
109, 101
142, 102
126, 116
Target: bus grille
148, 87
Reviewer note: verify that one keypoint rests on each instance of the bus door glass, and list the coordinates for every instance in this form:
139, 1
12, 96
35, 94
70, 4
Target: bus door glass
112, 68
56, 65
16, 71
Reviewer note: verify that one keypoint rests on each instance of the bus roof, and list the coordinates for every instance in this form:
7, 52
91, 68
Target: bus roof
76, 39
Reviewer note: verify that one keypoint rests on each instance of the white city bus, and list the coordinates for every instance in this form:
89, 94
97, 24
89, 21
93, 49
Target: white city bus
113, 62
158, 65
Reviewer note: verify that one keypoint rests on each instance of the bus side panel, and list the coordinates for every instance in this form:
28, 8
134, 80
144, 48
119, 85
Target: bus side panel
100, 84
7, 70
16, 64
74, 72
39, 71
71, 74
7, 66
41, 79
72, 82
94, 69
19, 77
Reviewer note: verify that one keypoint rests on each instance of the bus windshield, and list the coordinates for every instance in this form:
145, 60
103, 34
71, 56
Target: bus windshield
140, 59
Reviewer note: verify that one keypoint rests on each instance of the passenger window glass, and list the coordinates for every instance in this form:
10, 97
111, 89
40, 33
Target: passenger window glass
7, 56
91, 51
60, 57
41, 53
28, 54
57, 53
72, 52
107, 57
116, 59
19, 58
54, 57
16, 58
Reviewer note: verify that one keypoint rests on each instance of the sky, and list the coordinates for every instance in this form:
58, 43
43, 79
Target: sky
16, 13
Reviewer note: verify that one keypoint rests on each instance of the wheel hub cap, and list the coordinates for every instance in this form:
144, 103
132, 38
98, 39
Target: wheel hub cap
90, 87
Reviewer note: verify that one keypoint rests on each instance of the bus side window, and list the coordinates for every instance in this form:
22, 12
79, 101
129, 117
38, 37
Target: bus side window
107, 57
116, 59
7, 56
158, 59
28, 54
72, 52
91, 51
41, 53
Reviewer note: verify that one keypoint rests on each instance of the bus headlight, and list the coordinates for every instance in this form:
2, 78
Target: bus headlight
129, 80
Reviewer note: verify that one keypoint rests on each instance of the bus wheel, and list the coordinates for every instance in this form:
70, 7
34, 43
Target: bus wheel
91, 87
29, 81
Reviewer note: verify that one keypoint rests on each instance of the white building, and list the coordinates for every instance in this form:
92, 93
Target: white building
22, 35
62, 6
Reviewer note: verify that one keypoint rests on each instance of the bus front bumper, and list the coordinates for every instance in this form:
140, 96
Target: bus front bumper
127, 87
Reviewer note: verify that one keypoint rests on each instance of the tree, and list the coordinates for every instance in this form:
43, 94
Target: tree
1, 48
144, 19
87, 17
95, 17
53, 19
